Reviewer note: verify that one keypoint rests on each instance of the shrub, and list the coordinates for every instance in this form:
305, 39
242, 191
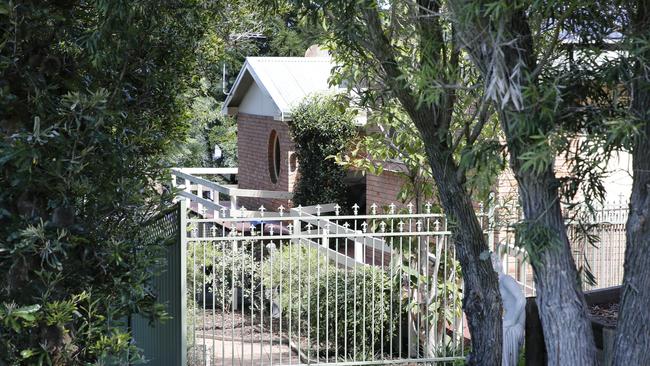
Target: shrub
89, 103
217, 270
321, 127
347, 312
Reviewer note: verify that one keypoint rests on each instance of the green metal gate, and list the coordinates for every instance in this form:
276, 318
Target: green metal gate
164, 343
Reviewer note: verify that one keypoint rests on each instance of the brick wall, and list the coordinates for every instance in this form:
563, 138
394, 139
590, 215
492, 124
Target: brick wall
253, 134
383, 189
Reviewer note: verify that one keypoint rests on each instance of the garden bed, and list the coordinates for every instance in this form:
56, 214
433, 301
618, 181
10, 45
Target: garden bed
603, 311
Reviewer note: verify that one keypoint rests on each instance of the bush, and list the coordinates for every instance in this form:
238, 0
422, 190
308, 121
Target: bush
89, 104
330, 305
321, 127
217, 270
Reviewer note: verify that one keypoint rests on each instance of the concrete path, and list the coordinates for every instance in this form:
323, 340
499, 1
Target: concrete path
236, 353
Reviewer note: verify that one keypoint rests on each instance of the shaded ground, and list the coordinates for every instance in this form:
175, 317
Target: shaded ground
239, 339
606, 314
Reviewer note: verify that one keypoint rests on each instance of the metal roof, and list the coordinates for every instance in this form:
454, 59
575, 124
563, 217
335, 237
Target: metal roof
286, 80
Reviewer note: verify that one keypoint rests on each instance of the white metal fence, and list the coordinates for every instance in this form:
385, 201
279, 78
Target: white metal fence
597, 240
324, 285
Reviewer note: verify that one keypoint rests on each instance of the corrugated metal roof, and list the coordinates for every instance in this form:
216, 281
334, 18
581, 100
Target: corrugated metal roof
287, 80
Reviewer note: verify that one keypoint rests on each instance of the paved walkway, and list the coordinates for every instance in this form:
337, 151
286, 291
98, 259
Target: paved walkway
235, 353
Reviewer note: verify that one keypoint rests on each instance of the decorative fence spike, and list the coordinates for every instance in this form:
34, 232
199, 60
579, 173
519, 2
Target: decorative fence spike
262, 209
392, 208
290, 228
346, 225
428, 207
299, 209
418, 225
281, 210
318, 208
436, 225
309, 227
337, 209
400, 226
373, 209
252, 230
223, 212
364, 226
382, 226
213, 230
410, 207
355, 209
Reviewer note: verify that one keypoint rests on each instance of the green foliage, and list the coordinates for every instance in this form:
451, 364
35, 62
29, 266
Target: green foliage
395, 142
236, 31
208, 128
321, 127
351, 312
91, 97
536, 238
216, 270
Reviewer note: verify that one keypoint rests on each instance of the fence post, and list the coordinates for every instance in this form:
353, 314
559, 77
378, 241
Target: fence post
182, 233
233, 205
199, 193
358, 250
325, 241
491, 225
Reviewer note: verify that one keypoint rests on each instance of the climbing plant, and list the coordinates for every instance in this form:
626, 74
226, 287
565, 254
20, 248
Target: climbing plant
321, 127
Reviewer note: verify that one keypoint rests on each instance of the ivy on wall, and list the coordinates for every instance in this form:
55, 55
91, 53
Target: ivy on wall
321, 128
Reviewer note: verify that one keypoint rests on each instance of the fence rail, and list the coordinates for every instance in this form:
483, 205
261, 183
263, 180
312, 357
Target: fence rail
314, 288
327, 285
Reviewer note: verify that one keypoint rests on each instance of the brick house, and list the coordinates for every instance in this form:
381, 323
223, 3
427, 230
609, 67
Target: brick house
262, 97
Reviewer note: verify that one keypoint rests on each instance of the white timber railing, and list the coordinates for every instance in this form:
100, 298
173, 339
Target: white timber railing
206, 194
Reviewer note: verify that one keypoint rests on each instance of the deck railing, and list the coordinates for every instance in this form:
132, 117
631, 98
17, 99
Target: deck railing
215, 199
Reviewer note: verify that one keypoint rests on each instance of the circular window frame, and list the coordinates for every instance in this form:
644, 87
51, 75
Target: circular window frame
274, 157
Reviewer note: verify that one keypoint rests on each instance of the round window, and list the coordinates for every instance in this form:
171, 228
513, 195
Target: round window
274, 156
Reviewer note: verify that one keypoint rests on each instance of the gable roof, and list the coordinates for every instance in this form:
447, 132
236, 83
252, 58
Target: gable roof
286, 80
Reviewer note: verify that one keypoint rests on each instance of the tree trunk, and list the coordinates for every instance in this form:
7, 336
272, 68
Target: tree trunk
632, 343
567, 329
481, 298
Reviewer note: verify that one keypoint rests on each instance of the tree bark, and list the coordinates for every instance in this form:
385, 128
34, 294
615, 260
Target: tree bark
481, 299
567, 329
632, 342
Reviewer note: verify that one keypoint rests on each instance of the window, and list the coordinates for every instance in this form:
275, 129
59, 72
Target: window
274, 156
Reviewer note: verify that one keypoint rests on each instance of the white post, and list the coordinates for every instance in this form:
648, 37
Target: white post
188, 187
182, 289
325, 241
358, 250
199, 193
296, 230
174, 185
233, 204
